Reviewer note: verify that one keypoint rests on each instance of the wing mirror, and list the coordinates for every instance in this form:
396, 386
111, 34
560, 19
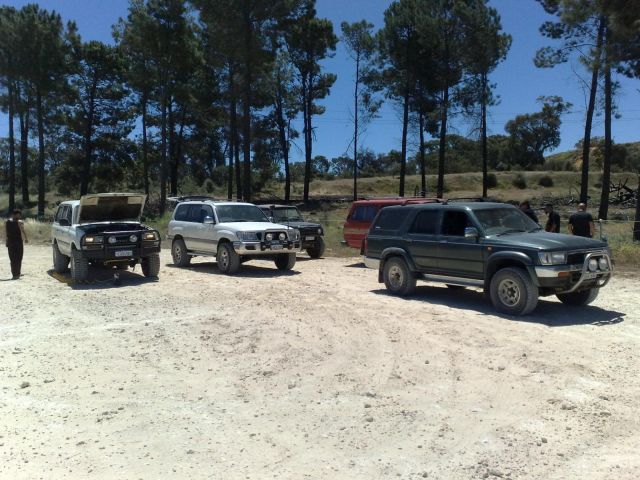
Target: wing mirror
271, 219
471, 232
208, 220
64, 222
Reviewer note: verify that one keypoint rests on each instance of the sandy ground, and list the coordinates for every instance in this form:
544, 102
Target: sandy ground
315, 373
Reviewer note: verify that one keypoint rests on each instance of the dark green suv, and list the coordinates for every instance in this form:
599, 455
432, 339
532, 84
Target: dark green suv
489, 245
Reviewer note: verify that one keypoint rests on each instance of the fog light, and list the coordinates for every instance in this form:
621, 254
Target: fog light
269, 237
112, 240
593, 265
282, 237
133, 238
603, 264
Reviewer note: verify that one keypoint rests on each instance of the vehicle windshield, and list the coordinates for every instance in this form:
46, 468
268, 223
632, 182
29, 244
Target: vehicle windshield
500, 221
240, 213
284, 215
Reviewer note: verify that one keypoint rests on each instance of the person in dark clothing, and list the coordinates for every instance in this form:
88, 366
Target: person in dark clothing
553, 219
581, 223
15, 237
528, 211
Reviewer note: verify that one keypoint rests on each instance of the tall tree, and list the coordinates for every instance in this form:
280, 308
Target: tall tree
361, 47
8, 17
580, 27
310, 40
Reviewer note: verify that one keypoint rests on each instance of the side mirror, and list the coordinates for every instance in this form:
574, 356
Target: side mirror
208, 220
471, 232
64, 222
271, 219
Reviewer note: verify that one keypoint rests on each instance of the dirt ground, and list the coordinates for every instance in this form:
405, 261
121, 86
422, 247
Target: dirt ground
315, 373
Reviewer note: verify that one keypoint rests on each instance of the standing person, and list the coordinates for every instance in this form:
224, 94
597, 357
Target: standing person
581, 223
15, 237
553, 219
525, 206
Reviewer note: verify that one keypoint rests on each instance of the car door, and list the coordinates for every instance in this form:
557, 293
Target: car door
63, 232
422, 238
203, 232
459, 256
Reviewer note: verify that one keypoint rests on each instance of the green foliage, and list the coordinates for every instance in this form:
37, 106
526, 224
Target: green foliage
519, 181
492, 180
545, 181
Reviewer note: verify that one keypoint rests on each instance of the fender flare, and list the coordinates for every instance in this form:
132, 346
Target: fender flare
509, 258
395, 252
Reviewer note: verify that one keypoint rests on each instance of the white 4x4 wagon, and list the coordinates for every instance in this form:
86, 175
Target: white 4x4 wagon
231, 232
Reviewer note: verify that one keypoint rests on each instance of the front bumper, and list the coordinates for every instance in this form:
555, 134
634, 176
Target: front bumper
121, 253
572, 278
265, 248
309, 241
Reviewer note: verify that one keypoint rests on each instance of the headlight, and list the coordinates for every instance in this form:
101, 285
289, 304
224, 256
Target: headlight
282, 237
94, 239
593, 265
133, 238
112, 240
319, 231
553, 258
269, 237
150, 236
603, 264
248, 236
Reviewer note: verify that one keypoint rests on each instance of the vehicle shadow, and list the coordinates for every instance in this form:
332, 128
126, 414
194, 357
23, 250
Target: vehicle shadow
549, 313
101, 279
356, 265
246, 270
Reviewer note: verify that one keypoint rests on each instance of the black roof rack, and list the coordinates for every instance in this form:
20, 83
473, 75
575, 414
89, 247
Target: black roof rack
190, 198
469, 199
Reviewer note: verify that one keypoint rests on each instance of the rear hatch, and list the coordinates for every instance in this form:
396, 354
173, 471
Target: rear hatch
111, 207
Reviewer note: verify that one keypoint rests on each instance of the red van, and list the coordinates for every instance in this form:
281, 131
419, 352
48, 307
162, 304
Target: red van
363, 212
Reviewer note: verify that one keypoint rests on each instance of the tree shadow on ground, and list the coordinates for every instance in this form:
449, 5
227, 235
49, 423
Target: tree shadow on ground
246, 270
100, 279
548, 312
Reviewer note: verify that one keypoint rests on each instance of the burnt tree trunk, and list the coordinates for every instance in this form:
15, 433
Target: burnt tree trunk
88, 144
145, 145
606, 164
405, 128
443, 139
41, 159
485, 155
423, 159
12, 149
24, 152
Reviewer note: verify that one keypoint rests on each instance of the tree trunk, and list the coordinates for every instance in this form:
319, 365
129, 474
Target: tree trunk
485, 156
236, 148
284, 141
606, 163
586, 142
24, 153
163, 156
88, 144
355, 129
308, 103
405, 128
145, 146
443, 138
636, 224
232, 143
247, 101
423, 159
173, 180
12, 149
177, 154
41, 182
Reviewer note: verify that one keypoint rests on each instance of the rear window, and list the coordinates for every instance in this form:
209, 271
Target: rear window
364, 213
182, 213
391, 219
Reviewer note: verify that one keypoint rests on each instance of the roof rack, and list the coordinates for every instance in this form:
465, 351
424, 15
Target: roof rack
469, 199
189, 198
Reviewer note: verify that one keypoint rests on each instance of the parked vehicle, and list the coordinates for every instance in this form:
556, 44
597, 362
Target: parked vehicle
232, 232
363, 212
493, 246
104, 229
311, 234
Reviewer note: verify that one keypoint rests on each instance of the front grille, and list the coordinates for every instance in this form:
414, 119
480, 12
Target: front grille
309, 231
576, 258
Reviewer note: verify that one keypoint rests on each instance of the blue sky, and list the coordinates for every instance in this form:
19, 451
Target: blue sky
519, 82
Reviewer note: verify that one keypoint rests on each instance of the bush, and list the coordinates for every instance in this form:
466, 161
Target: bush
519, 182
545, 181
492, 180
209, 186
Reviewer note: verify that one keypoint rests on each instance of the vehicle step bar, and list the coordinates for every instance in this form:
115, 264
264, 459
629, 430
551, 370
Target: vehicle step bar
463, 282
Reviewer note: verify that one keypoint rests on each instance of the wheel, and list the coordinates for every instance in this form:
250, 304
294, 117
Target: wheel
285, 261
60, 261
318, 248
151, 266
512, 291
456, 287
583, 297
79, 267
398, 279
179, 253
227, 258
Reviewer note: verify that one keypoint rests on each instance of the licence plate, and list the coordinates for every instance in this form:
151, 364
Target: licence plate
310, 237
590, 276
276, 247
124, 253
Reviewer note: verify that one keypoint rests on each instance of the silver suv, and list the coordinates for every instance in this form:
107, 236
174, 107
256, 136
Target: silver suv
232, 232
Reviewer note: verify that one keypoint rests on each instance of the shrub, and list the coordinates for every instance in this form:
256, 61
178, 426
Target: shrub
545, 181
208, 185
492, 180
519, 182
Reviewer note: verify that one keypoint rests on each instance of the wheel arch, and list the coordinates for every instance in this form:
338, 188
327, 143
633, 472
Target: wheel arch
501, 260
393, 252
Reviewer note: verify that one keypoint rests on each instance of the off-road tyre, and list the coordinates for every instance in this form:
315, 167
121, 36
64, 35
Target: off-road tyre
179, 253
79, 267
285, 261
513, 292
577, 299
151, 266
318, 248
60, 261
227, 258
398, 279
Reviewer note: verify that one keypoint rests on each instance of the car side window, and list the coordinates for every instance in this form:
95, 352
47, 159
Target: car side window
454, 222
59, 213
68, 214
194, 213
425, 223
205, 211
364, 213
182, 212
